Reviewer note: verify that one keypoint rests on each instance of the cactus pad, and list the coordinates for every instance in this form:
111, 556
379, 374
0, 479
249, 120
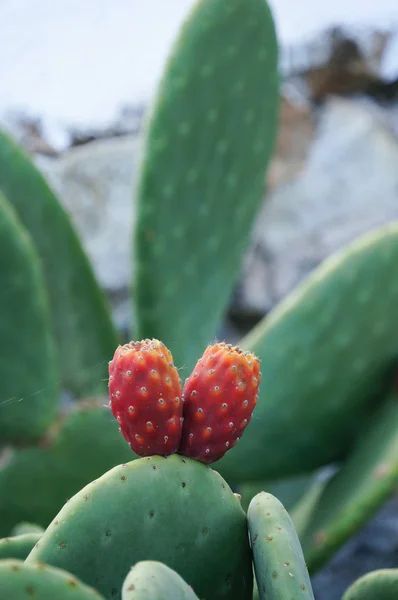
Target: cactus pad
19, 581
279, 564
80, 319
364, 483
169, 509
326, 353
210, 137
376, 585
80, 447
18, 546
28, 370
152, 580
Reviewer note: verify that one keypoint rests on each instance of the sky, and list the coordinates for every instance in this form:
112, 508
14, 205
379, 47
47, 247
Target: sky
76, 62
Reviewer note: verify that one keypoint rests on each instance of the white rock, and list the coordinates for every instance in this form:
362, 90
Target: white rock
348, 186
95, 183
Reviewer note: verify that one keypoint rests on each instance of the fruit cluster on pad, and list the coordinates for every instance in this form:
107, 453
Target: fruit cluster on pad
203, 419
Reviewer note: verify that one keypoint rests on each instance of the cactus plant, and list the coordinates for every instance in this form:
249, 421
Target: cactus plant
170, 509
152, 580
20, 581
78, 448
28, 403
365, 481
279, 564
381, 584
207, 145
332, 338
18, 546
80, 320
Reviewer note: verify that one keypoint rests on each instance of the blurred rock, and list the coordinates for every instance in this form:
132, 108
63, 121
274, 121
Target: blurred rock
95, 184
348, 186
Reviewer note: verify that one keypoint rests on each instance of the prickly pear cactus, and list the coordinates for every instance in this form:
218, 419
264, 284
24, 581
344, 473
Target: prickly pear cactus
326, 353
365, 481
208, 143
279, 564
79, 316
24, 527
169, 509
152, 580
18, 546
376, 585
28, 367
79, 448
19, 581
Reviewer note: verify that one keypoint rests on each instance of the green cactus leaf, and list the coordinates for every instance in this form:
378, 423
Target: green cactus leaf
19, 581
29, 396
152, 580
210, 138
288, 491
326, 353
376, 585
353, 494
279, 564
174, 510
77, 449
18, 546
81, 322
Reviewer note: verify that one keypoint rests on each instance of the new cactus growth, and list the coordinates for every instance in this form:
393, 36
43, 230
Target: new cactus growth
152, 580
219, 399
279, 564
21, 581
146, 397
376, 585
170, 509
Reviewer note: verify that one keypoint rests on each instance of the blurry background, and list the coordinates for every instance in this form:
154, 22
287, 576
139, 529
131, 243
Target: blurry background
76, 78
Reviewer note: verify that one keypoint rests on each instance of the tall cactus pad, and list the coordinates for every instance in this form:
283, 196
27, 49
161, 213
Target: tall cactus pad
350, 498
279, 563
28, 374
380, 585
152, 580
80, 320
169, 509
79, 448
325, 352
202, 181
19, 581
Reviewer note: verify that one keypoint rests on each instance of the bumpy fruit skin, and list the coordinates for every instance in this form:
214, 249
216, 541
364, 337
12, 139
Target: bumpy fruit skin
219, 399
146, 397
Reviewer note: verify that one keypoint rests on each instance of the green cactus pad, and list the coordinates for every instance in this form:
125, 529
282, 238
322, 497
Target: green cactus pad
288, 491
28, 374
202, 181
80, 319
18, 546
376, 585
174, 510
279, 564
19, 581
152, 580
326, 351
25, 527
79, 448
363, 484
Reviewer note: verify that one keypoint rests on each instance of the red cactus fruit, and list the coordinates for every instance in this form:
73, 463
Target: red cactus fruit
219, 398
146, 397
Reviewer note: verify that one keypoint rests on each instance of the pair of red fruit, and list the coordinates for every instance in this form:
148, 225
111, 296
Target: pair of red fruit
202, 420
